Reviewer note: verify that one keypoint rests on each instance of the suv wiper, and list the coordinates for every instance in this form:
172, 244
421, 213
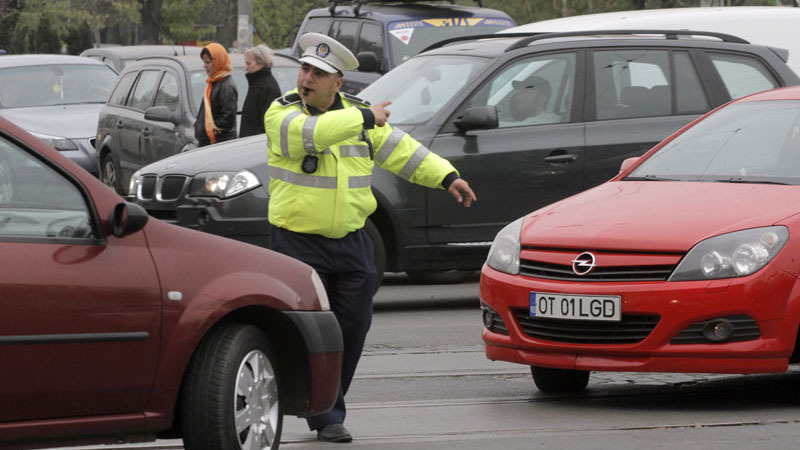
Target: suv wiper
648, 178
749, 181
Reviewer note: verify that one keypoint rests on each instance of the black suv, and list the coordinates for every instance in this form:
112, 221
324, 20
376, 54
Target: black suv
384, 35
611, 96
151, 112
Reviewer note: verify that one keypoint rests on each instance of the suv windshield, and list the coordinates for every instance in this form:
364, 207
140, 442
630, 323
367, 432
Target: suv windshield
753, 142
420, 87
413, 36
61, 84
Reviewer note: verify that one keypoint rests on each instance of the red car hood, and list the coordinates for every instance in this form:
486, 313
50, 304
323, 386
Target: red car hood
657, 215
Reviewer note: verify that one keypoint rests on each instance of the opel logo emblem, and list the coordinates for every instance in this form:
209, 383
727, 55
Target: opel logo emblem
583, 263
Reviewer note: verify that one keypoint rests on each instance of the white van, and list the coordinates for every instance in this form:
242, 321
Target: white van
774, 26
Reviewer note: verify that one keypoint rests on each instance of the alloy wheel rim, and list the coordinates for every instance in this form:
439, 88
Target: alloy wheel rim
256, 403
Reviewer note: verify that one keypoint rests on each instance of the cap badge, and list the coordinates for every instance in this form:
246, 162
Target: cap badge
323, 50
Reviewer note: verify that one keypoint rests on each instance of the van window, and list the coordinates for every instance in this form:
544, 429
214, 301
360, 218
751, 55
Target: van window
742, 75
347, 34
371, 40
319, 25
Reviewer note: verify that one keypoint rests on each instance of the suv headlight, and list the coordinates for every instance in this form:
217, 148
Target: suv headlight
57, 142
136, 181
223, 185
731, 255
504, 253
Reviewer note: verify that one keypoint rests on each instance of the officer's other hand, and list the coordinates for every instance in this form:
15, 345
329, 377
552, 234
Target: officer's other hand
380, 112
461, 191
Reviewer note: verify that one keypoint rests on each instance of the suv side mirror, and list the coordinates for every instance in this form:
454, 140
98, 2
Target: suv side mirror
127, 218
368, 62
478, 118
160, 114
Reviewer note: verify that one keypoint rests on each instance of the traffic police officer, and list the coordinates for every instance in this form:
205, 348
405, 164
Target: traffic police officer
323, 145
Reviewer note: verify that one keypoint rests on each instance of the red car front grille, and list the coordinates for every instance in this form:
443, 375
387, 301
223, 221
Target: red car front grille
539, 269
631, 329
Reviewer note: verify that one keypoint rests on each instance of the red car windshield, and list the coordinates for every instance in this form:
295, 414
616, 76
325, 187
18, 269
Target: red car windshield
749, 142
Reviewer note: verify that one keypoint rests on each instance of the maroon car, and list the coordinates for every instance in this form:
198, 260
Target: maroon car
115, 327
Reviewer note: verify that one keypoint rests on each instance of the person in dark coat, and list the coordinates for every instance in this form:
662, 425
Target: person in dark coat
262, 89
216, 119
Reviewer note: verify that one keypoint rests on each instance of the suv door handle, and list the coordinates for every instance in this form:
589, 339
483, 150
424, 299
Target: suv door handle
146, 132
119, 124
563, 158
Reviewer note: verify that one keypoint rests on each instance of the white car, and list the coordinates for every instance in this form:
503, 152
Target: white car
766, 25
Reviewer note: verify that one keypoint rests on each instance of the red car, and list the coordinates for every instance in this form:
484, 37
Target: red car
687, 261
115, 327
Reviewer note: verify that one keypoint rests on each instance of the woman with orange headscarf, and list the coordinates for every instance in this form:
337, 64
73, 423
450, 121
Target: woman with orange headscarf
216, 120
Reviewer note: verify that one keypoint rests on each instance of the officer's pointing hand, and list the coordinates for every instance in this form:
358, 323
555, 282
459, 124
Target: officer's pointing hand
380, 112
461, 191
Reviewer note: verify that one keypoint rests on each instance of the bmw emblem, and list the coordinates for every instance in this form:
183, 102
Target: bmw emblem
323, 50
583, 263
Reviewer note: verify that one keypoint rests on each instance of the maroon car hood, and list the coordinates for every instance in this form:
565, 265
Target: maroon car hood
657, 215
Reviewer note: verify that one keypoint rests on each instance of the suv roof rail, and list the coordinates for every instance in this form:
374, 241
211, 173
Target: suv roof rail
359, 3
532, 36
472, 37
668, 34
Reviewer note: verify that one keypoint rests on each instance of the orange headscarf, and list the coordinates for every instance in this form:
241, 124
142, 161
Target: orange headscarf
222, 68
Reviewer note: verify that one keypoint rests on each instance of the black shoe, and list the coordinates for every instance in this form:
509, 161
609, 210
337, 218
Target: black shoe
334, 432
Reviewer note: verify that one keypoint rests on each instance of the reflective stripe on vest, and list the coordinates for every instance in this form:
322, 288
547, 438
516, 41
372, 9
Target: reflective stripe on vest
354, 150
285, 132
388, 147
360, 181
302, 179
308, 134
413, 162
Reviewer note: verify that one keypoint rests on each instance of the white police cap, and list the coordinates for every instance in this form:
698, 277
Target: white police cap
326, 53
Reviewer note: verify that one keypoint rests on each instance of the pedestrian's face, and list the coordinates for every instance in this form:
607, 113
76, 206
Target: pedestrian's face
208, 65
250, 64
317, 87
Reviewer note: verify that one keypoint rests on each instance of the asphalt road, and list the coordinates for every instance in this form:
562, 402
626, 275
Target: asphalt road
425, 383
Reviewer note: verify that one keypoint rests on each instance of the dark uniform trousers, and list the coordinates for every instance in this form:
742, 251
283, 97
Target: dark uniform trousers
347, 269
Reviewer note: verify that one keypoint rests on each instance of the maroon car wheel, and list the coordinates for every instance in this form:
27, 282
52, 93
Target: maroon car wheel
230, 397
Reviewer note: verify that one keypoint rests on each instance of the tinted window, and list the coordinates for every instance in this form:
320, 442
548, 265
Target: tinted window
347, 34
371, 40
419, 88
167, 94
690, 98
531, 91
145, 87
36, 201
742, 75
198, 83
631, 83
318, 25
120, 93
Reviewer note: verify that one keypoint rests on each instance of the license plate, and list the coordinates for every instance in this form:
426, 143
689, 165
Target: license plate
576, 307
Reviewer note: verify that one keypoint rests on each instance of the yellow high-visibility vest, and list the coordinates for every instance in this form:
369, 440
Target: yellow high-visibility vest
336, 199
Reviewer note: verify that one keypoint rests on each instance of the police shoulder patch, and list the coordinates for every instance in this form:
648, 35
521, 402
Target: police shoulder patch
355, 99
289, 99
